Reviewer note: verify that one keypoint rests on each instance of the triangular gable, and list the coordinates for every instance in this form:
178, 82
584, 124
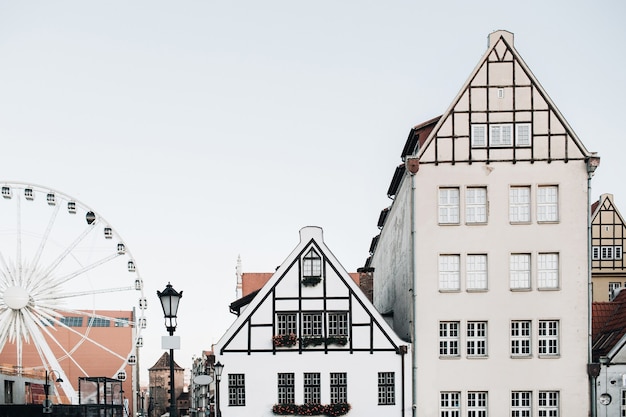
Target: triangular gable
608, 236
502, 113
318, 312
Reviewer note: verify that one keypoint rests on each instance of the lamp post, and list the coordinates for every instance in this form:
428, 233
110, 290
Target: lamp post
47, 405
170, 298
218, 367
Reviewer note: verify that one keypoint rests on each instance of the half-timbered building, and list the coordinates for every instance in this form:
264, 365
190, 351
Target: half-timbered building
309, 343
608, 232
482, 256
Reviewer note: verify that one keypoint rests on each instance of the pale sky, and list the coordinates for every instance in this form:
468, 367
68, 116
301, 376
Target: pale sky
204, 130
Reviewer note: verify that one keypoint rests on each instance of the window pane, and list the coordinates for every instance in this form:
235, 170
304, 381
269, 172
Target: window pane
476, 205
547, 204
449, 205
548, 270
520, 271
449, 272
519, 204
476, 272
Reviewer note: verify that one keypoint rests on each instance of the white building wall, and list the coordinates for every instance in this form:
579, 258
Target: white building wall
362, 369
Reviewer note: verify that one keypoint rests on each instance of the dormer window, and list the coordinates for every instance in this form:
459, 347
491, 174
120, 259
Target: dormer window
312, 264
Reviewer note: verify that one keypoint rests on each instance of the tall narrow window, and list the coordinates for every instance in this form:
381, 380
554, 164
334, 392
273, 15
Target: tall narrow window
520, 338
522, 134
476, 272
548, 270
519, 204
448, 205
520, 271
548, 203
338, 387
548, 337
311, 324
548, 404
479, 135
476, 338
312, 264
236, 390
386, 388
312, 388
477, 404
338, 323
449, 404
476, 205
449, 338
8, 392
286, 323
286, 388
501, 135
521, 405
449, 273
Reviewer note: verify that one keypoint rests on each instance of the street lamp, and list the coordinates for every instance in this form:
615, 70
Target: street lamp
47, 405
169, 301
218, 367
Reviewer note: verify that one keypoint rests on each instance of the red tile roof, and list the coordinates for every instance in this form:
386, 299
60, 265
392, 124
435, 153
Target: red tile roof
608, 324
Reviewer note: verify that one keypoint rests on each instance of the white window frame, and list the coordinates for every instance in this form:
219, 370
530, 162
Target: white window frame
476, 205
476, 338
548, 338
549, 404
501, 134
450, 404
449, 272
449, 338
519, 204
595, 253
523, 134
479, 135
477, 404
547, 203
548, 270
519, 271
606, 253
476, 272
521, 338
449, 205
521, 404
612, 287
237, 390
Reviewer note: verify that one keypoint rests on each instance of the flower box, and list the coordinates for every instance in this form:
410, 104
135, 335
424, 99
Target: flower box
285, 340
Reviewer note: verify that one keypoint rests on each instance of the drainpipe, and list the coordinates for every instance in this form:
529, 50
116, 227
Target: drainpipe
592, 163
413, 167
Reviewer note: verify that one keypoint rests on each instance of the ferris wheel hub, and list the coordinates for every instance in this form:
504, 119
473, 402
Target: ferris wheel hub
16, 297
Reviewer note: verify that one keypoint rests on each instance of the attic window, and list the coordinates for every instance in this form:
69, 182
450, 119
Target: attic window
312, 264
501, 134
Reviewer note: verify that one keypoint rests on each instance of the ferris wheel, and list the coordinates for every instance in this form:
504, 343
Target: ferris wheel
67, 280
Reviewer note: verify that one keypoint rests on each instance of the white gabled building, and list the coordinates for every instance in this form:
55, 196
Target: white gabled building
482, 257
310, 340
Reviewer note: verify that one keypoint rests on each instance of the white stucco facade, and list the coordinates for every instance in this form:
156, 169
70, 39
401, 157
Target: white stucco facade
417, 239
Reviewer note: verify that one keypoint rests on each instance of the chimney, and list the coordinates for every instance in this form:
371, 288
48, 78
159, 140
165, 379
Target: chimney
366, 282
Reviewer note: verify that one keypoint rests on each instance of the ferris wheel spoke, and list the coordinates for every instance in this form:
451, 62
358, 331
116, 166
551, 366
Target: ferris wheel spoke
69, 277
65, 253
6, 271
85, 338
42, 243
18, 234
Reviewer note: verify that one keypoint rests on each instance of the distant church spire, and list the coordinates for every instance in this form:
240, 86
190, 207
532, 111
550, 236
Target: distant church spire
239, 281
